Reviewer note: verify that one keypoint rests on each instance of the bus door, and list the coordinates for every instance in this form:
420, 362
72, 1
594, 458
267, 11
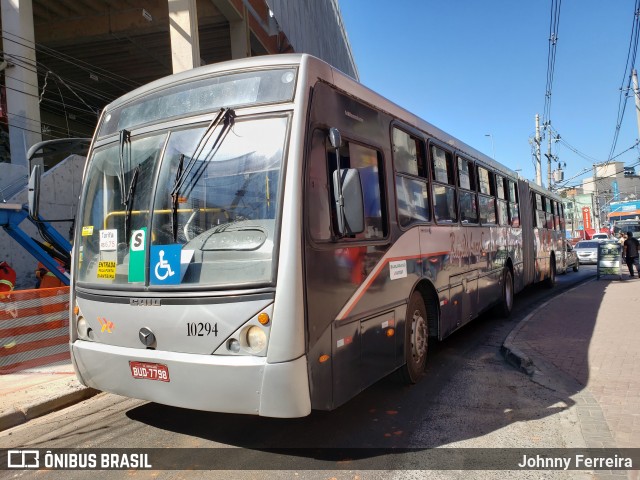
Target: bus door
348, 305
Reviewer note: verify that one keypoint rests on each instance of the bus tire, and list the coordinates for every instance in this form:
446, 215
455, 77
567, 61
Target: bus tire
576, 266
506, 303
416, 340
551, 279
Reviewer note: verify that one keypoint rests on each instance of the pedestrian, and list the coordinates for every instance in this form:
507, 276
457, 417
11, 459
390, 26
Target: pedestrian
630, 253
7, 277
621, 238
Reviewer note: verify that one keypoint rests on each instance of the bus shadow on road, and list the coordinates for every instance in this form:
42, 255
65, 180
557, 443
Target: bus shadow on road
470, 396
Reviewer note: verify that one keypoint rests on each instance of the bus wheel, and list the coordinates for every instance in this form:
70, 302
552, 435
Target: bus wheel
576, 266
506, 304
551, 280
416, 340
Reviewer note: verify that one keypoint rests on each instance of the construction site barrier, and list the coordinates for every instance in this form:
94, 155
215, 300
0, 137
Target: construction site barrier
34, 328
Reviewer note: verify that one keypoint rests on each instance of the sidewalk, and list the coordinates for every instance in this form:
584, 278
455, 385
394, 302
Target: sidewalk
584, 343
35, 392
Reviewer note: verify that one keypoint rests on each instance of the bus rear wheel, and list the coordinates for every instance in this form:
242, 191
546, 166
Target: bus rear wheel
551, 280
506, 304
416, 340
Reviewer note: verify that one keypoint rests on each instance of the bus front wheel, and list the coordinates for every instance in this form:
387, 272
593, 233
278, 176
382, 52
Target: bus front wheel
416, 340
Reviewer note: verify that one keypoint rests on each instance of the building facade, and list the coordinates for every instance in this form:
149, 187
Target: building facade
62, 61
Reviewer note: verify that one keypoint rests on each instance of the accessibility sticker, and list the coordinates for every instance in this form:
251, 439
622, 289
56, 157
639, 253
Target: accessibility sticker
165, 264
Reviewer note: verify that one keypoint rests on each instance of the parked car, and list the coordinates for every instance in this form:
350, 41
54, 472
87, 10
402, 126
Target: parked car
587, 251
572, 258
601, 237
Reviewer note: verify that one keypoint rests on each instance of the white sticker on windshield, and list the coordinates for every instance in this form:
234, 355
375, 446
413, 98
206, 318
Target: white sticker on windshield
108, 240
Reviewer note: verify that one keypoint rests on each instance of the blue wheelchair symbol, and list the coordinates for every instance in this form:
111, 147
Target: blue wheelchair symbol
165, 264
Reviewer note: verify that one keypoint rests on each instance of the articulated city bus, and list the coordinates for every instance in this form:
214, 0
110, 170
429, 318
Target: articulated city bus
267, 236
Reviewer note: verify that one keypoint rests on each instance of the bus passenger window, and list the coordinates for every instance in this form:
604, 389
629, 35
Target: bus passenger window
514, 214
407, 153
487, 210
467, 195
514, 211
503, 218
500, 193
444, 196
444, 204
413, 200
442, 166
484, 180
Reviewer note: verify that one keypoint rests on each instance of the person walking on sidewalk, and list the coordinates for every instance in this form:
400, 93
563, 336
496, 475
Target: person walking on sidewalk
630, 253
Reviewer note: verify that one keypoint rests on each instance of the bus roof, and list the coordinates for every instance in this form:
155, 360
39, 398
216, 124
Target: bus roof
331, 75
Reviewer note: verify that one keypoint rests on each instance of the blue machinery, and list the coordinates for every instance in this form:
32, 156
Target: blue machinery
12, 215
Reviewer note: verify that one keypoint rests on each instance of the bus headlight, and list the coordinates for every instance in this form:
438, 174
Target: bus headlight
256, 339
83, 328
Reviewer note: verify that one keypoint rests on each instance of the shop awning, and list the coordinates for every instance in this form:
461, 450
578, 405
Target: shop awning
624, 214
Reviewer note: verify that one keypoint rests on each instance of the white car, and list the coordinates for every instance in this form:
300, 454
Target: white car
600, 237
587, 251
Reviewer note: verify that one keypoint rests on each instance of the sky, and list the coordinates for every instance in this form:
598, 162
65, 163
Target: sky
477, 69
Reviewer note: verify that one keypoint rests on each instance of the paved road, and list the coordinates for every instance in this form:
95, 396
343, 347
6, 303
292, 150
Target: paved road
470, 397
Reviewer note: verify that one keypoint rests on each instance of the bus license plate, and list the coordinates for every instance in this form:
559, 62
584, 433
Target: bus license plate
149, 371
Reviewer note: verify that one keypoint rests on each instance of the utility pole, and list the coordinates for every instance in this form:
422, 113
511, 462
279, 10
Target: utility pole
549, 158
538, 161
636, 92
596, 213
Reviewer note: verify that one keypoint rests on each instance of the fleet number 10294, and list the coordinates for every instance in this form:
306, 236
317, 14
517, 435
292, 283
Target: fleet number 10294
201, 329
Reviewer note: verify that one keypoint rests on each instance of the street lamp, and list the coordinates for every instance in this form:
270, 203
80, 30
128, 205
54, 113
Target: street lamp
493, 148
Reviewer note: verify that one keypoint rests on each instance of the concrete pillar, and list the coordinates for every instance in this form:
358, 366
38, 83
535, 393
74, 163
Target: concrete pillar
183, 27
239, 34
238, 27
23, 107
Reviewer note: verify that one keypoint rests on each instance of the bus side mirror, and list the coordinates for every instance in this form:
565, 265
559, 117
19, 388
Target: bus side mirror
34, 192
351, 206
335, 138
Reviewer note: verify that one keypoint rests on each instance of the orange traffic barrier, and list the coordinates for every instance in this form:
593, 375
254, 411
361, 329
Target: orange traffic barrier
34, 328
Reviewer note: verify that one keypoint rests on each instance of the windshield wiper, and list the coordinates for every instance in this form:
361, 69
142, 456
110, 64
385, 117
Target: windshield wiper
129, 203
226, 115
174, 199
125, 139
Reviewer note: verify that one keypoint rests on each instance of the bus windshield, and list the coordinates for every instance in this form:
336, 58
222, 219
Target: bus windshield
216, 229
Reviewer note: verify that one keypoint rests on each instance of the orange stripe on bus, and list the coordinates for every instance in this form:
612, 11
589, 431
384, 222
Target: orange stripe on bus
357, 298
36, 362
34, 345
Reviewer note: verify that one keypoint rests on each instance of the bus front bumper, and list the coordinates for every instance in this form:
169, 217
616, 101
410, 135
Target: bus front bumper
231, 384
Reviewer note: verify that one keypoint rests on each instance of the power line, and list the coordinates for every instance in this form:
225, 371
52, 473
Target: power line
554, 24
589, 170
631, 59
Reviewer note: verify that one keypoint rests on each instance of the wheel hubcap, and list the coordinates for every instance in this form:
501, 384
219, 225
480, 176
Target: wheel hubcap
418, 336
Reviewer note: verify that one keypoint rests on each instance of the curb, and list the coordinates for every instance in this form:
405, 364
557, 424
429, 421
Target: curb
21, 414
512, 354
